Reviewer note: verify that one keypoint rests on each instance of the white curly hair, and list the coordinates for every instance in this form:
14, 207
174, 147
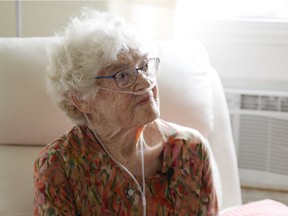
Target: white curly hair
90, 42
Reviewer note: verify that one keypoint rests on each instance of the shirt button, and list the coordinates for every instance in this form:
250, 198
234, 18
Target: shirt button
130, 192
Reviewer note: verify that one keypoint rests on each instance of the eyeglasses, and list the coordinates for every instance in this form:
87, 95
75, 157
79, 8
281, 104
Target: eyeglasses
128, 77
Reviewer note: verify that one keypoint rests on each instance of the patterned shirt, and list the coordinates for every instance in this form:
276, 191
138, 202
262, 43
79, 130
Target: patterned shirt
75, 176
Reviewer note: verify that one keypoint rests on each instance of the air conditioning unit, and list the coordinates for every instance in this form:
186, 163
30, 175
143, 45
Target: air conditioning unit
260, 128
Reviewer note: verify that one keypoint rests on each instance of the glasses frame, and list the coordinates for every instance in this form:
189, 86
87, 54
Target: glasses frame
136, 71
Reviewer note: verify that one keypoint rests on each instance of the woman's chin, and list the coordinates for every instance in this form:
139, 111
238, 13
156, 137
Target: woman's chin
151, 115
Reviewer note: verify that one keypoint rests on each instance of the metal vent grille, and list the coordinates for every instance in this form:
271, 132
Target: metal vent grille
264, 103
284, 104
259, 121
263, 144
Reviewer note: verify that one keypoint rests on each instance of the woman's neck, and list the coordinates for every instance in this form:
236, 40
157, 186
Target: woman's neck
120, 142
124, 146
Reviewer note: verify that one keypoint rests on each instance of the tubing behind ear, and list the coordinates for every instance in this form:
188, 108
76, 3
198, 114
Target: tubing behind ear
81, 104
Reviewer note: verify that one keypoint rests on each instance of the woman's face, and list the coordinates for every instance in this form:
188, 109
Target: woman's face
125, 110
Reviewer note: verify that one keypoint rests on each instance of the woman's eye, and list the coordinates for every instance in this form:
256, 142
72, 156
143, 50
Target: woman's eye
122, 75
145, 67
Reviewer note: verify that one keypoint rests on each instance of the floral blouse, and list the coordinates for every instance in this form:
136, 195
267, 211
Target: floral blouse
75, 176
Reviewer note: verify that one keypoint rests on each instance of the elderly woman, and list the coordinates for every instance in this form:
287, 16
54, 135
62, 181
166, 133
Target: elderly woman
120, 159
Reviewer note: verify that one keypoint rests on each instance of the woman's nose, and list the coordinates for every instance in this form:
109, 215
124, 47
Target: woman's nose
142, 82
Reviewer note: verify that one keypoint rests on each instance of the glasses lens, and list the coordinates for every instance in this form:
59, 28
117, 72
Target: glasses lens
126, 78
151, 67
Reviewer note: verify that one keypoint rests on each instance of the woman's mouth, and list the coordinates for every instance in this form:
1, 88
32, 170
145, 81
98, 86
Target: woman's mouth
145, 100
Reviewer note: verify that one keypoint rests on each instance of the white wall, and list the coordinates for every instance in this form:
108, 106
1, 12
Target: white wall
250, 54
246, 54
153, 18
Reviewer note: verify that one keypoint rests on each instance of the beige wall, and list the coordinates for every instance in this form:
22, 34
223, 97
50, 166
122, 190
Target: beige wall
7, 19
44, 18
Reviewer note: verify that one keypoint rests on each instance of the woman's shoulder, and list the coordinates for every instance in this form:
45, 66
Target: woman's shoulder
178, 136
53, 152
176, 131
69, 144
62, 142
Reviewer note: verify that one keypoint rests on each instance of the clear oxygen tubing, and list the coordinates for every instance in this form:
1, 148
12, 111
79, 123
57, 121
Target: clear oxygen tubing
142, 141
152, 85
143, 174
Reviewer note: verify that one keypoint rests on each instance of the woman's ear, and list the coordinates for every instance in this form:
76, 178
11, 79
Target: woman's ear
82, 105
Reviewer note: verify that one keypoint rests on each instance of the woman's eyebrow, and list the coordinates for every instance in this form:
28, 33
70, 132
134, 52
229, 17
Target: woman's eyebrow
114, 68
117, 67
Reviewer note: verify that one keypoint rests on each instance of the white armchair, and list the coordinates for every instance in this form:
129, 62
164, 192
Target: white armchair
191, 94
